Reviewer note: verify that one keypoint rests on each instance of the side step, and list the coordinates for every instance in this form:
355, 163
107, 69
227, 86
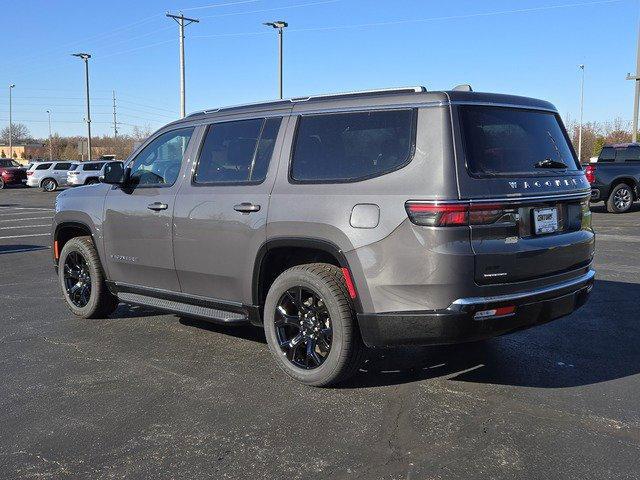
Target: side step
214, 314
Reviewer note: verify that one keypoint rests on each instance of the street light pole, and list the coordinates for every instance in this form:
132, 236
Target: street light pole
280, 25
10, 122
181, 19
50, 146
86, 57
636, 100
581, 114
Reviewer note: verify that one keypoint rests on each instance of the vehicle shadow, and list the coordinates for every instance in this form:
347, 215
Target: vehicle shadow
597, 343
600, 207
4, 249
246, 332
125, 311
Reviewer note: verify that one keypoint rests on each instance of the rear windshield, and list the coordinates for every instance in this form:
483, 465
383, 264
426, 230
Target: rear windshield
511, 141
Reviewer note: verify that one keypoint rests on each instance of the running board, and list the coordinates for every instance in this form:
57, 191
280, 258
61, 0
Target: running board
207, 312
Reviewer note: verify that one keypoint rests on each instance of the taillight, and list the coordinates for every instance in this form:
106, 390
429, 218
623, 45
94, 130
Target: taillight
453, 214
590, 173
29, 173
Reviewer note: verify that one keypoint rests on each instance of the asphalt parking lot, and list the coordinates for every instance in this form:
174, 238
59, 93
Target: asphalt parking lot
146, 395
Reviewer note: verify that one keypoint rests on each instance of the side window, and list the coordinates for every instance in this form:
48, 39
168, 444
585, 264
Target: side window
608, 154
62, 166
237, 152
159, 162
629, 154
348, 147
43, 166
92, 167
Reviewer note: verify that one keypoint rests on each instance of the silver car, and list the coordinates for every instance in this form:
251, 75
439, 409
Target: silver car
84, 173
48, 175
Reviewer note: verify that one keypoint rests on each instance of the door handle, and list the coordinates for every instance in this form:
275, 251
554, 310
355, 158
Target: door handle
157, 206
246, 207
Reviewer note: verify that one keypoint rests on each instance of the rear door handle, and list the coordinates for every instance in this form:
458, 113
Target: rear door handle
246, 207
157, 206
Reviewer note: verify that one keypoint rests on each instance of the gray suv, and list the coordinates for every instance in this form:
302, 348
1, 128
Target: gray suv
339, 222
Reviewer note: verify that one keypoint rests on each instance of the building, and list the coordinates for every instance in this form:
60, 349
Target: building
23, 152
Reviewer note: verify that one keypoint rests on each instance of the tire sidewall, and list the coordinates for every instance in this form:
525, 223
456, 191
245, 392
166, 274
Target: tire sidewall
330, 366
74, 245
2, 184
611, 203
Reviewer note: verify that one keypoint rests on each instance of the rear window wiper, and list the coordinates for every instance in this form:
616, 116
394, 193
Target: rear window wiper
548, 163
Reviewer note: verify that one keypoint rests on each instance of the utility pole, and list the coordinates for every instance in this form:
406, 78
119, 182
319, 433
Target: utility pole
636, 100
581, 113
280, 25
11, 122
50, 147
181, 19
115, 123
86, 57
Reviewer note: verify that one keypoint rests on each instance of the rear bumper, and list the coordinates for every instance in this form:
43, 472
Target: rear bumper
456, 324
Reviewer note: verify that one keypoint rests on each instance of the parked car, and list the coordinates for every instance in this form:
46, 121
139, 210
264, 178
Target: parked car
614, 178
11, 173
84, 173
48, 175
376, 219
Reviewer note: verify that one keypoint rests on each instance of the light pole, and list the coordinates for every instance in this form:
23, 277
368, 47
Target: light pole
10, 122
181, 19
50, 147
280, 25
581, 113
86, 57
636, 100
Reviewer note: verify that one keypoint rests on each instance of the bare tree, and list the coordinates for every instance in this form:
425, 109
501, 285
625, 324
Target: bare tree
20, 133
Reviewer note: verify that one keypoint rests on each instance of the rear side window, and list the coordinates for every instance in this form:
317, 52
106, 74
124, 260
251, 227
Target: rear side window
62, 166
237, 152
511, 141
348, 147
92, 167
73, 167
628, 154
608, 154
43, 166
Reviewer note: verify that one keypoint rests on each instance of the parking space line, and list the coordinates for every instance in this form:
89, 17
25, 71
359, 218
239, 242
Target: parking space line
24, 219
23, 213
30, 235
26, 208
25, 226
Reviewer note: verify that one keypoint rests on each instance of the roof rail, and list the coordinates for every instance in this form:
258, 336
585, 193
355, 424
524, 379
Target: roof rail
289, 101
418, 89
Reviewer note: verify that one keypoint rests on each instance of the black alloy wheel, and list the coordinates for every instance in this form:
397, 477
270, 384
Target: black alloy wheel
77, 279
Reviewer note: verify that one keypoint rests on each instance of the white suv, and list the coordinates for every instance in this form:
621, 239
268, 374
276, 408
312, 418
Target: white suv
84, 173
48, 175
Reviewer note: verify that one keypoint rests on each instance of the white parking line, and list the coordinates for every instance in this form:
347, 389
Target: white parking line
30, 235
22, 213
26, 208
25, 226
24, 219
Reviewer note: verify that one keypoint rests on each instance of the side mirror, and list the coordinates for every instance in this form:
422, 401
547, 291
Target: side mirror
113, 174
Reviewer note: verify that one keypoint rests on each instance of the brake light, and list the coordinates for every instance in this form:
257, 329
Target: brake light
453, 214
590, 173
29, 173
494, 312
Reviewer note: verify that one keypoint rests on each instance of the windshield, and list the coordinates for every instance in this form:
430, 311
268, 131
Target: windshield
511, 141
4, 162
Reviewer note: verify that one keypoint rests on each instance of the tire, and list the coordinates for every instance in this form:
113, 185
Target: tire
100, 302
620, 199
49, 185
2, 184
326, 285
91, 181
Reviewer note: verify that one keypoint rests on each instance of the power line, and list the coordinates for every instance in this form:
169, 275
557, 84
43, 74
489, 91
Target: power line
217, 5
263, 10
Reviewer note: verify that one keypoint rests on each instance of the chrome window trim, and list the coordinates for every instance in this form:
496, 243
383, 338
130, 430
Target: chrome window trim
580, 195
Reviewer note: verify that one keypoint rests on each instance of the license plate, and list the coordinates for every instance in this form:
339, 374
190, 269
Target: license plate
545, 220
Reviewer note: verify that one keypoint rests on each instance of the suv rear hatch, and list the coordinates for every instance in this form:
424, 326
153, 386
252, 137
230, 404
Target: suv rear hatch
528, 197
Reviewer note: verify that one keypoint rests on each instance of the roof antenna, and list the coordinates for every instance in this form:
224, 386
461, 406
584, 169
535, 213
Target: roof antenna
465, 87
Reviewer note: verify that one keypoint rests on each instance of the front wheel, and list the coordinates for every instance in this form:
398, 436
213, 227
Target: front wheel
310, 325
49, 185
82, 280
621, 199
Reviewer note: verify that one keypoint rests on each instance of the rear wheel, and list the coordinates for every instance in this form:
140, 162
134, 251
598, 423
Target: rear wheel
2, 184
620, 199
49, 185
310, 325
82, 280
91, 181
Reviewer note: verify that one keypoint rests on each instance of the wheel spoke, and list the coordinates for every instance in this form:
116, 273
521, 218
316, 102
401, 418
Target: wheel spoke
312, 355
285, 319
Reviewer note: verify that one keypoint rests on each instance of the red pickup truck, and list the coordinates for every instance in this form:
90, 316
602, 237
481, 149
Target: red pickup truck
11, 173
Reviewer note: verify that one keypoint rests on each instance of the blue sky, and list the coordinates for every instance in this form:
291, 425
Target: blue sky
528, 47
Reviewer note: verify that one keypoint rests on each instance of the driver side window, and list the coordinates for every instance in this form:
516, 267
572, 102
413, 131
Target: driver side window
158, 164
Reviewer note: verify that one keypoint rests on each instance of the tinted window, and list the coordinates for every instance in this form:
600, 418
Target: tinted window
608, 154
159, 162
4, 162
236, 152
43, 166
628, 154
352, 146
509, 141
92, 167
74, 166
62, 166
